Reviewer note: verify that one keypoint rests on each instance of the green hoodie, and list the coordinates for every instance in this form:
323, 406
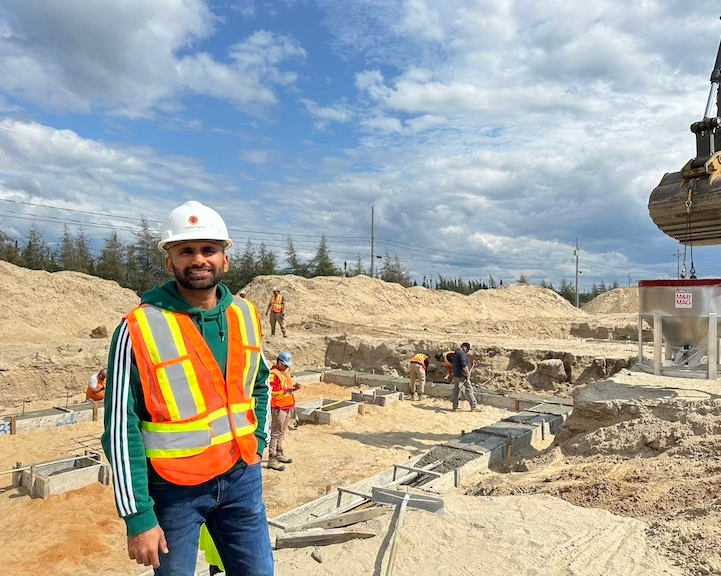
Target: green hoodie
125, 404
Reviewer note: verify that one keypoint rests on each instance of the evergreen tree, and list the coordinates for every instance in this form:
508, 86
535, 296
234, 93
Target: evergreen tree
267, 261
9, 250
84, 261
145, 263
36, 253
321, 264
357, 268
394, 271
295, 265
567, 291
522, 279
110, 262
491, 282
65, 253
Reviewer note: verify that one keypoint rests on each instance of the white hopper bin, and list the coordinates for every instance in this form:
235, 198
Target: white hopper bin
684, 316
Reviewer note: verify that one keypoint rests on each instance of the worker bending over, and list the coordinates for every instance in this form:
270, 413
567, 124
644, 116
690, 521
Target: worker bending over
418, 368
96, 386
447, 359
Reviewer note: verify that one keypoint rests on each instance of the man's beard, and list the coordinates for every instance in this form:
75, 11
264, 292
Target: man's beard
186, 280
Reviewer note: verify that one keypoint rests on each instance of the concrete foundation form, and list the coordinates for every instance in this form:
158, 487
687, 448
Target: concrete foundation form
58, 476
377, 396
443, 467
326, 410
51, 418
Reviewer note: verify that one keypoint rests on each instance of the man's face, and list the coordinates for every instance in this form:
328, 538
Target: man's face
197, 265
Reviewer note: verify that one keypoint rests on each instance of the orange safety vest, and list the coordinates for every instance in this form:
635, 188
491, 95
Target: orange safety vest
95, 395
200, 423
276, 304
282, 384
420, 359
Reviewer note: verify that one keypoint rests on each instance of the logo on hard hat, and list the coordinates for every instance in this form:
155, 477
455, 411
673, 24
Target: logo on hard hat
193, 220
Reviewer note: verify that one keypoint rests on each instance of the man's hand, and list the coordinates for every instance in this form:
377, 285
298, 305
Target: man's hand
144, 548
296, 386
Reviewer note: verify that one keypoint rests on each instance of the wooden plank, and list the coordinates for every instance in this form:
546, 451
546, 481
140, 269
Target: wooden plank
341, 520
320, 537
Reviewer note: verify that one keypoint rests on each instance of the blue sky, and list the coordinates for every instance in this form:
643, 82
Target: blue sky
487, 134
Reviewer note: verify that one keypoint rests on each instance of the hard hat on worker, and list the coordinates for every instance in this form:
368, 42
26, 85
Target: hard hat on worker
193, 221
466, 345
284, 357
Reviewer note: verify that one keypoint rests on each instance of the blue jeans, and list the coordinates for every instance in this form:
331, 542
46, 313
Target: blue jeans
232, 508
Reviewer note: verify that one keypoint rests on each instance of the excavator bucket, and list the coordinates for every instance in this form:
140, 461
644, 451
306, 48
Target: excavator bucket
686, 205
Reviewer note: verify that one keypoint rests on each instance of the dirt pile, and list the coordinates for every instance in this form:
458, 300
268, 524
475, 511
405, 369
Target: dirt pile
40, 306
616, 301
333, 303
660, 466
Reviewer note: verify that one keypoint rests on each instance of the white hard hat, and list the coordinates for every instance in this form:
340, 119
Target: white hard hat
193, 221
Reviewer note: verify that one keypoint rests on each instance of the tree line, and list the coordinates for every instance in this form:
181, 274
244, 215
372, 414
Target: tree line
139, 265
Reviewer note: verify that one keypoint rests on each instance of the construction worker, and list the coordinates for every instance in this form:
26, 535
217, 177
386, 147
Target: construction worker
282, 409
447, 359
186, 410
462, 367
276, 309
96, 386
418, 368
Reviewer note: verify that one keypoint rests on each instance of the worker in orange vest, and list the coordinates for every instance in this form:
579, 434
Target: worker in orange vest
447, 359
282, 408
276, 309
418, 367
96, 386
186, 413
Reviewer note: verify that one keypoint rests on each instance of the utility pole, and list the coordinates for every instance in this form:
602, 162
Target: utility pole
576, 253
373, 240
678, 262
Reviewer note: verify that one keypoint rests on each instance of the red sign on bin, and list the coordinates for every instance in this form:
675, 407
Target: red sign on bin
684, 300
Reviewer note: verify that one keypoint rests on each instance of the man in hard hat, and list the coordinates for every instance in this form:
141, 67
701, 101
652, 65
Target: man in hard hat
186, 409
418, 367
462, 367
276, 309
96, 386
282, 409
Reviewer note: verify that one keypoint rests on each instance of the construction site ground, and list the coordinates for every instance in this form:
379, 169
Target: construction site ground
631, 485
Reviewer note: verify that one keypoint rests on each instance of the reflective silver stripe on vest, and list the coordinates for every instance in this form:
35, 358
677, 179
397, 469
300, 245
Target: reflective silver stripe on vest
192, 439
247, 317
167, 350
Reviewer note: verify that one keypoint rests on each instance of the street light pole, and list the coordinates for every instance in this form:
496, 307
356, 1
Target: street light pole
373, 240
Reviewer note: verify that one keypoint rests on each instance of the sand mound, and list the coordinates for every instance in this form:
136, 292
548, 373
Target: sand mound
329, 301
40, 306
616, 301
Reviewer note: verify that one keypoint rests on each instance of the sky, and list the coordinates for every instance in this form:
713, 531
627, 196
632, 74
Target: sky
468, 138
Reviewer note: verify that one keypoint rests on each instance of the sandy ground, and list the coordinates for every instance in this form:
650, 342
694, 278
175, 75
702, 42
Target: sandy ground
79, 533
637, 495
